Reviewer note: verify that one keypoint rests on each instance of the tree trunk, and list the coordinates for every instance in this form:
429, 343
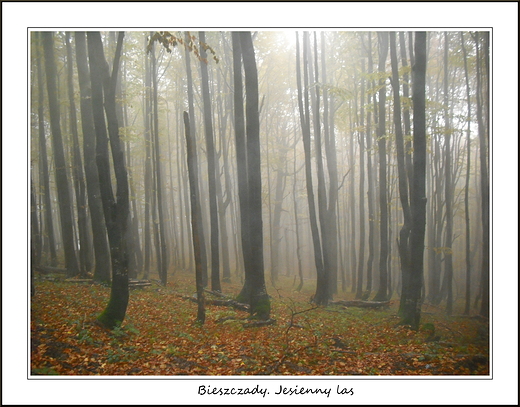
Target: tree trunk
99, 233
85, 248
448, 257
116, 209
370, 183
484, 180
404, 233
411, 312
466, 186
64, 199
259, 302
382, 293
48, 224
361, 140
196, 216
303, 105
148, 176
161, 244
191, 112
242, 167
212, 168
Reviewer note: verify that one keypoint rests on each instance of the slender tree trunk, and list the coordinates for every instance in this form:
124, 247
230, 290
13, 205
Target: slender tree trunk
191, 112
382, 293
85, 248
212, 168
196, 216
64, 199
148, 177
303, 104
162, 245
359, 290
242, 167
259, 302
48, 229
404, 233
466, 186
448, 257
484, 180
411, 314
370, 183
97, 218
116, 208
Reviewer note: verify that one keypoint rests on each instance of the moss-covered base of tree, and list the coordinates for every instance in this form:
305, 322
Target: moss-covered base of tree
261, 307
410, 313
115, 312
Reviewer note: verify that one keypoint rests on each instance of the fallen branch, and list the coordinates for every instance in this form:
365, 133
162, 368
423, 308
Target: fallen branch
139, 283
361, 304
223, 303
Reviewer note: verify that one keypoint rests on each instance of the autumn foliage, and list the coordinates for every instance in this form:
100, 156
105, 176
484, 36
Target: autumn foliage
160, 336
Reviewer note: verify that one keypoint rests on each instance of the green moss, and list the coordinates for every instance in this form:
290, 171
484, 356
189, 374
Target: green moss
261, 308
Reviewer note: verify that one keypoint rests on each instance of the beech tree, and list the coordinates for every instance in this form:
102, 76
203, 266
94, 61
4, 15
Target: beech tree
411, 303
64, 198
116, 208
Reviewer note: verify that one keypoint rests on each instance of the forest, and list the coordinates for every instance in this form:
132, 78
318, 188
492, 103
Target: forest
259, 202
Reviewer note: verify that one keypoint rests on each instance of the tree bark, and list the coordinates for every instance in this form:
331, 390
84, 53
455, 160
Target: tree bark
116, 209
85, 264
259, 302
382, 293
212, 168
48, 224
303, 105
466, 186
196, 216
64, 199
97, 218
242, 167
162, 245
411, 314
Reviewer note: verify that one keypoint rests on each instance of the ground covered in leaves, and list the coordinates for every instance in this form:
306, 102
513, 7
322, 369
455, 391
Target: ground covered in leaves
160, 337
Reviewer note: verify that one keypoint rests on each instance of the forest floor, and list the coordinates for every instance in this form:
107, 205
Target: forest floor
160, 337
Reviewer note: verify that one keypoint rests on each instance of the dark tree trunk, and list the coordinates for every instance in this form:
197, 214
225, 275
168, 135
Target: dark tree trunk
259, 302
116, 209
64, 199
448, 258
99, 233
36, 247
331, 237
466, 186
404, 233
191, 112
382, 293
85, 249
148, 176
411, 313
483, 132
322, 295
161, 244
196, 216
242, 168
359, 288
212, 168
370, 183
48, 224
303, 104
